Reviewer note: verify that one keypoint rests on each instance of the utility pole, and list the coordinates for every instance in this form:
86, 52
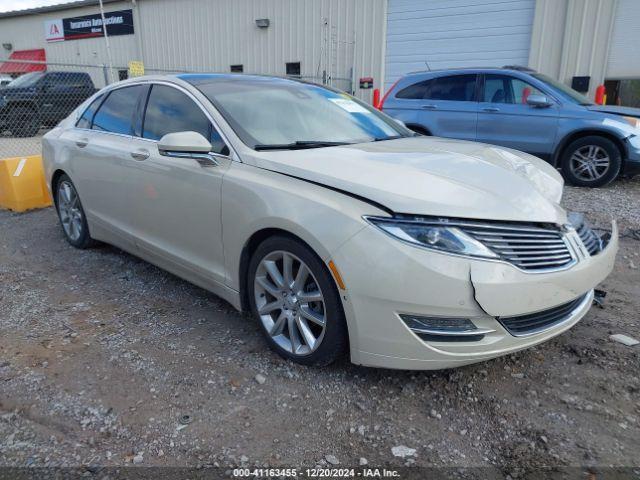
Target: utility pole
106, 39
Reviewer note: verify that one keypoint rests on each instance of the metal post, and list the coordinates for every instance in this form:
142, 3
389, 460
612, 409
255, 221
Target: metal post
106, 75
106, 39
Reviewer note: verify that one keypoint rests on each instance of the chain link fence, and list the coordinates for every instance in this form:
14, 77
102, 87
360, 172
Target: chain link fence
36, 96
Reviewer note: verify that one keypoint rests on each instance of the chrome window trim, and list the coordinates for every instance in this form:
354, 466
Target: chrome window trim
234, 154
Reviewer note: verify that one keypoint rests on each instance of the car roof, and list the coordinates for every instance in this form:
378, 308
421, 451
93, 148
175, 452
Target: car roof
507, 68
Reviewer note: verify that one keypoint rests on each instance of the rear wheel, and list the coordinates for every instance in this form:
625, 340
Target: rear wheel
23, 122
419, 129
591, 161
296, 302
71, 214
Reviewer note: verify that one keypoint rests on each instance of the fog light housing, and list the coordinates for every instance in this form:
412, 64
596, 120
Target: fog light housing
444, 329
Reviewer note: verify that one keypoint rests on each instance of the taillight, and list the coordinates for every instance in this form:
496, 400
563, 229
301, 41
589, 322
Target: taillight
381, 104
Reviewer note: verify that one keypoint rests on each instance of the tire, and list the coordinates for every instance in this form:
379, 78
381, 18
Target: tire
23, 122
591, 161
291, 312
71, 214
418, 129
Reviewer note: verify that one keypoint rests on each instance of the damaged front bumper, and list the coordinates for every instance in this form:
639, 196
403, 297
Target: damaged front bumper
396, 281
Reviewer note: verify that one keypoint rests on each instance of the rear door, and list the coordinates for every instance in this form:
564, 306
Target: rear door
101, 147
445, 106
505, 118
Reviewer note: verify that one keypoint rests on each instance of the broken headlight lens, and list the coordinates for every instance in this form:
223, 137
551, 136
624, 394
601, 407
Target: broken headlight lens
433, 235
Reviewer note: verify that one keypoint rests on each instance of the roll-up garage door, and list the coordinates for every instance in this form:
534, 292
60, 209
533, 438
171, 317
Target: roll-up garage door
456, 33
624, 60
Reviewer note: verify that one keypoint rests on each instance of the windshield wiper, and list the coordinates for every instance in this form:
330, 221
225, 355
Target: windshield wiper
299, 145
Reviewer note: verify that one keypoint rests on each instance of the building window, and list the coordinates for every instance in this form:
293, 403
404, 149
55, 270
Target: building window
237, 68
293, 68
123, 74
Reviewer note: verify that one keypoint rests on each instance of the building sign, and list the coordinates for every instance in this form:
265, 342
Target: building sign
89, 26
136, 68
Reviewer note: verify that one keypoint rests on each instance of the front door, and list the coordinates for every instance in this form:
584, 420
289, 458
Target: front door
177, 200
505, 118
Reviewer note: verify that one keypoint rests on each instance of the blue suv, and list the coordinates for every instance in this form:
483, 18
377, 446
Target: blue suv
525, 110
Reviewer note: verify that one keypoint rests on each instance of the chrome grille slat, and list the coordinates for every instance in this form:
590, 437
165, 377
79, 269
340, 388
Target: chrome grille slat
511, 235
590, 240
512, 251
504, 241
528, 248
545, 257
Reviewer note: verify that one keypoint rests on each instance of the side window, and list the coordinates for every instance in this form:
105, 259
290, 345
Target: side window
506, 89
169, 110
522, 90
116, 112
457, 88
417, 91
85, 120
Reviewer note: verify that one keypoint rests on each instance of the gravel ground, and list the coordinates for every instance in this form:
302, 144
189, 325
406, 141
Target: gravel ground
106, 360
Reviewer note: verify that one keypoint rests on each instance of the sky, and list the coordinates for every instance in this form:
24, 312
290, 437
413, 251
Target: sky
8, 5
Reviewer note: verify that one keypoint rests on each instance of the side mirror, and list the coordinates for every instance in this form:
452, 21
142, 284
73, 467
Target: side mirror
538, 101
187, 145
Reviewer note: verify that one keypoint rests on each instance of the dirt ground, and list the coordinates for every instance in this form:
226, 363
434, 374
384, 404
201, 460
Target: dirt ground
106, 360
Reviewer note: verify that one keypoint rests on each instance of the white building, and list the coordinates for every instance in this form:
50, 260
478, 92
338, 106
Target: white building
339, 41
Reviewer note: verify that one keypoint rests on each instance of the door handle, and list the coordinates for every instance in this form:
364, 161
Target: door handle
491, 109
429, 106
82, 142
140, 155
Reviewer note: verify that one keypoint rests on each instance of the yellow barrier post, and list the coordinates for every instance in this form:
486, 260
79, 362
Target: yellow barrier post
22, 184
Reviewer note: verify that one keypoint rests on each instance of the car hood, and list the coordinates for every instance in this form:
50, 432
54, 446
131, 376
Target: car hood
615, 110
432, 176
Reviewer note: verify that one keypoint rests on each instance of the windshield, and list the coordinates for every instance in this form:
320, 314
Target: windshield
567, 93
280, 113
27, 80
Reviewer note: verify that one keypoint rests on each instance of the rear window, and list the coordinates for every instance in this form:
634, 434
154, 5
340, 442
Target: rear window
457, 88
87, 117
116, 113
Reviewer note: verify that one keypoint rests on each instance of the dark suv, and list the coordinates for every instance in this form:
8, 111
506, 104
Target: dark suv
525, 110
41, 99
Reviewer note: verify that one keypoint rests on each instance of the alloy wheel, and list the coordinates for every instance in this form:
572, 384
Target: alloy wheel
69, 210
590, 162
290, 303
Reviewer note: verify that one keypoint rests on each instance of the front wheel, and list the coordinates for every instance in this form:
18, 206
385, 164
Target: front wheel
591, 161
296, 302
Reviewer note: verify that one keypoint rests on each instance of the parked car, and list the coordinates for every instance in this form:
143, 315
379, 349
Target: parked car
337, 227
5, 80
522, 109
41, 99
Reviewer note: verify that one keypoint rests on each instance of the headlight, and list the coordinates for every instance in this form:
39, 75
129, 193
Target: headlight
633, 121
435, 235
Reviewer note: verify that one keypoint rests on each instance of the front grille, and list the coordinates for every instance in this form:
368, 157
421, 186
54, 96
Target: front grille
590, 239
529, 248
540, 321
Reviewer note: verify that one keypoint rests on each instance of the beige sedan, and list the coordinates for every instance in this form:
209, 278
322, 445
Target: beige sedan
338, 228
